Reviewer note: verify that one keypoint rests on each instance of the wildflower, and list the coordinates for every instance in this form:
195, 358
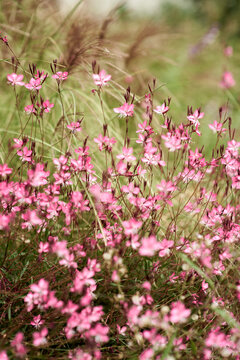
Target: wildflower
124, 110
31, 219
179, 313
5, 170
131, 226
37, 321
47, 106
38, 176
15, 79
40, 75
25, 154
161, 109
127, 155
43, 247
172, 142
60, 76
227, 80
149, 246
74, 126
4, 221
164, 247
34, 84
195, 117
19, 348
39, 338
102, 78
30, 109
3, 355
18, 143
121, 330
145, 127
217, 127
104, 142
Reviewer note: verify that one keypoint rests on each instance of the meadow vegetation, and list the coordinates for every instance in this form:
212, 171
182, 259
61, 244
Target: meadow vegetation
119, 186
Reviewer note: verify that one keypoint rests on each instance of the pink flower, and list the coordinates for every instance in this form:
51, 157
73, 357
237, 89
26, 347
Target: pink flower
149, 246
5, 170
125, 110
37, 321
104, 142
18, 143
30, 109
164, 247
131, 226
204, 286
47, 106
60, 76
227, 80
217, 127
99, 332
31, 219
43, 247
25, 154
102, 78
16, 343
172, 142
147, 354
38, 176
15, 79
74, 126
40, 75
195, 117
179, 313
3, 355
4, 221
217, 339
121, 330
39, 338
161, 109
34, 84
126, 155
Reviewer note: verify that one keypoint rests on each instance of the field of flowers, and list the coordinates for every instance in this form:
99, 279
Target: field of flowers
119, 188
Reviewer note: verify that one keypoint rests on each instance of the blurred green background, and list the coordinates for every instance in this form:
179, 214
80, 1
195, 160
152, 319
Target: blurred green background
181, 46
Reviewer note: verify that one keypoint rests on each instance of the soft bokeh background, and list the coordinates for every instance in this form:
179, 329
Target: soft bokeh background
180, 43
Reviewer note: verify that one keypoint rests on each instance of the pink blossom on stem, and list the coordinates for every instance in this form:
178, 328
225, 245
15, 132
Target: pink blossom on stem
102, 78
149, 246
125, 110
39, 338
19, 348
47, 106
30, 109
126, 155
38, 176
37, 321
34, 84
179, 313
60, 76
195, 117
25, 154
217, 127
15, 79
161, 109
74, 126
5, 170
